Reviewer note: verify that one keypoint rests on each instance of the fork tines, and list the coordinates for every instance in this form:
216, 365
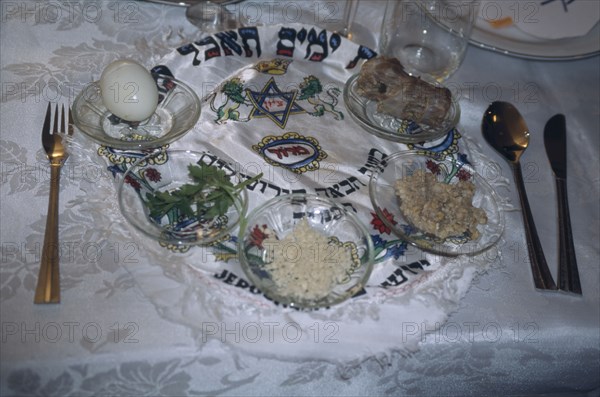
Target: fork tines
65, 119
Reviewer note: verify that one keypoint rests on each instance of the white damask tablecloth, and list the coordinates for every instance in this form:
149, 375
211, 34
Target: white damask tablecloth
116, 333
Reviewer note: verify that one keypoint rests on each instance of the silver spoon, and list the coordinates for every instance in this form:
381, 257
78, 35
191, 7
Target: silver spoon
505, 130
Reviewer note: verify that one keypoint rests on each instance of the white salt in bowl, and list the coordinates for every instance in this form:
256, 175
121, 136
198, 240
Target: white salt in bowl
299, 274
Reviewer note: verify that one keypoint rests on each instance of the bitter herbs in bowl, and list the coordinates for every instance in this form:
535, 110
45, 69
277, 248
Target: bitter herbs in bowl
183, 197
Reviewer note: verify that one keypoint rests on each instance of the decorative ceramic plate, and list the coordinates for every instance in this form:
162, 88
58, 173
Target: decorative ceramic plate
272, 102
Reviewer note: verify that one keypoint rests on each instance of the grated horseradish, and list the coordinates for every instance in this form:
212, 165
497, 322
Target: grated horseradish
442, 209
307, 264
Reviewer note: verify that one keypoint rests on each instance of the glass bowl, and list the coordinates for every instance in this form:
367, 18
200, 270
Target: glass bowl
386, 203
167, 171
177, 112
364, 112
305, 273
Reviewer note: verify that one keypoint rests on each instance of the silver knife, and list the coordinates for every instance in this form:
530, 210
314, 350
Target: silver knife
555, 140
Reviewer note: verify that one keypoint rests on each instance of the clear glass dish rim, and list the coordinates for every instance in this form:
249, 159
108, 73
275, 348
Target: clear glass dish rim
368, 264
147, 229
349, 93
435, 248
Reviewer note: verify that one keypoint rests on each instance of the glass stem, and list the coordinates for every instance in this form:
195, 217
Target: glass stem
349, 15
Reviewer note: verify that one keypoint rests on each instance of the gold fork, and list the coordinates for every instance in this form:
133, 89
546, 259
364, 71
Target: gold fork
48, 285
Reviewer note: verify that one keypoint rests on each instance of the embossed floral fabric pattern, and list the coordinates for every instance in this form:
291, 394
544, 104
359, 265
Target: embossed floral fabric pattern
133, 321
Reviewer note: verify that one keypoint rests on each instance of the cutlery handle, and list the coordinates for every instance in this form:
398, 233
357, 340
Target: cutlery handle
542, 277
568, 276
48, 285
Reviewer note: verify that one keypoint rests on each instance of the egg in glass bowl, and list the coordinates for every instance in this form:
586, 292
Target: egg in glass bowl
132, 108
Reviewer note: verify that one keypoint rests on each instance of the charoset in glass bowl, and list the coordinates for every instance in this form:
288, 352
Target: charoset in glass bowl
305, 251
440, 205
181, 198
177, 112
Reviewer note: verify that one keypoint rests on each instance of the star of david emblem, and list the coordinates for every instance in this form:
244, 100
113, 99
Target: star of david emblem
271, 102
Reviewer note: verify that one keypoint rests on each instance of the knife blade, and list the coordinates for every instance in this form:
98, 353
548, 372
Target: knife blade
555, 141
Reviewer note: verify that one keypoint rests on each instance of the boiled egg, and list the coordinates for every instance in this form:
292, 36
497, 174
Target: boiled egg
128, 90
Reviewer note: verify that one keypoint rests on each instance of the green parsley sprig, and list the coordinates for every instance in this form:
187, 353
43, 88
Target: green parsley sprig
212, 193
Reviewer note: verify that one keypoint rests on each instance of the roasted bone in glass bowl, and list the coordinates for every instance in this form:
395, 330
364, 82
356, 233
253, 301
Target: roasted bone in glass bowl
392, 104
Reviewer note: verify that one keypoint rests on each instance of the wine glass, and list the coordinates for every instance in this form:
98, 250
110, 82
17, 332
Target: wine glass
211, 16
338, 16
429, 37
353, 31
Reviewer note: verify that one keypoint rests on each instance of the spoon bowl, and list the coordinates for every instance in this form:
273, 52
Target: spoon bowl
505, 130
